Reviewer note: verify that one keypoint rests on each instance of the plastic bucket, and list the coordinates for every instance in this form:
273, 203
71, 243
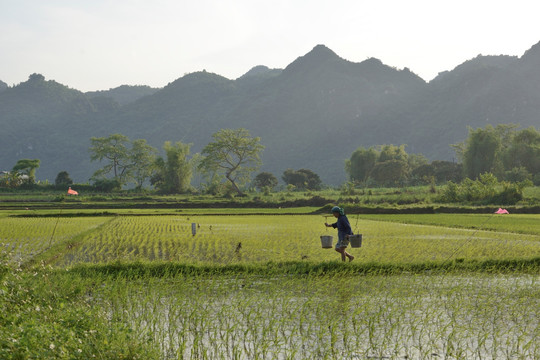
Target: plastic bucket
326, 241
355, 240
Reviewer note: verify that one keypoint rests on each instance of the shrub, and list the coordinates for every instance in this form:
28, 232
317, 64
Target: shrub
536, 179
107, 185
510, 194
517, 174
63, 178
484, 190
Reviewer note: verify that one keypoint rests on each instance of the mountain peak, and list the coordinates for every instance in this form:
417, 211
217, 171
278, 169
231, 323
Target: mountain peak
258, 73
320, 54
322, 50
532, 56
257, 70
318, 57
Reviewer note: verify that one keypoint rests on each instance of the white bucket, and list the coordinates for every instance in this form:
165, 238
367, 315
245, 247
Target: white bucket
355, 240
326, 241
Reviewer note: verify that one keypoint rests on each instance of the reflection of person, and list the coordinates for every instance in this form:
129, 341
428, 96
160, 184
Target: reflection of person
344, 230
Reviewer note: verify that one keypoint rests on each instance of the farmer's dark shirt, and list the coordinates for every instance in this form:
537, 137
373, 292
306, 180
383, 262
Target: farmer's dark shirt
343, 226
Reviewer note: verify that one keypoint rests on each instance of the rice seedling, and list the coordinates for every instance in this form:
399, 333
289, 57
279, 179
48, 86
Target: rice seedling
515, 223
252, 239
24, 238
458, 317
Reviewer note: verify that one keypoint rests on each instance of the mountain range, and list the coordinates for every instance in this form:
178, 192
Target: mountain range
312, 114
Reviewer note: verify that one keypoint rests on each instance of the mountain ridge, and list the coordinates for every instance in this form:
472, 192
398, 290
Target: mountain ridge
312, 114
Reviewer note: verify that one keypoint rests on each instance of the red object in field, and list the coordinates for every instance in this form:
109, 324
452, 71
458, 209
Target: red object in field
502, 211
72, 192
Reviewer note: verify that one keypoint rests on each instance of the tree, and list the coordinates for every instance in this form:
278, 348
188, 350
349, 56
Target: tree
265, 180
361, 163
390, 173
63, 179
441, 171
114, 149
447, 171
387, 165
500, 150
481, 152
173, 174
27, 167
127, 161
142, 159
302, 179
523, 151
392, 152
233, 154
415, 161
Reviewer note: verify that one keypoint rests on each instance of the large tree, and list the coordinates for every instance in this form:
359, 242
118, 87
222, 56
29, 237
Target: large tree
483, 150
63, 178
126, 160
265, 180
362, 161
233, 154
390, 173
173, 173
143, 158
302, 179
481, 153
27, 167
523, 151
386, 165
500, 149
115, 150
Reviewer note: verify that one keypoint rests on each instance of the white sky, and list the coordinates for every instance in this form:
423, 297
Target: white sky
100, 44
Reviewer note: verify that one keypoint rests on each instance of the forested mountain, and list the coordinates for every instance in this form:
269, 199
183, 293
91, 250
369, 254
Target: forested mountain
124, 94
312, 114
3, 86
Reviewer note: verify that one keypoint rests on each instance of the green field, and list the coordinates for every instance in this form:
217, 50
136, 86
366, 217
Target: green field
248, 285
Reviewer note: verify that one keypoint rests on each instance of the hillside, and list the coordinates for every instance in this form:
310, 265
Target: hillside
123, 94
312, 114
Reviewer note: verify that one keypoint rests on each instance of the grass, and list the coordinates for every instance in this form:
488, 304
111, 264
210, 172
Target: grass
514, 223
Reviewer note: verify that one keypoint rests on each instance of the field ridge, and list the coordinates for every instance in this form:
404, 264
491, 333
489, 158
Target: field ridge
140, 269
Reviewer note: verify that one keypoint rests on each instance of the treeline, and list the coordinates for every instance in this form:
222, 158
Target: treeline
508, 154
228, 162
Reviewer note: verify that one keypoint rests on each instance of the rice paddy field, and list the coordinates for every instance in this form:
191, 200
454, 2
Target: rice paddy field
260, 286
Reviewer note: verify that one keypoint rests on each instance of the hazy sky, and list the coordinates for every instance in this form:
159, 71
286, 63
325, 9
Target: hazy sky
100, 44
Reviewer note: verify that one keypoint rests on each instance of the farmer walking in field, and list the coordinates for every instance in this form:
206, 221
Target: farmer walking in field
344, 230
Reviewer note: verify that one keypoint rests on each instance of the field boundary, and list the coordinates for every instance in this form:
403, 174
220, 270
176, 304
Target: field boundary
172, 269
59, 249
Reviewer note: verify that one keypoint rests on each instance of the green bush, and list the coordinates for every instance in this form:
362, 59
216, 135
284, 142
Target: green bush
107, 185
517, 174
536, 179
485, 190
